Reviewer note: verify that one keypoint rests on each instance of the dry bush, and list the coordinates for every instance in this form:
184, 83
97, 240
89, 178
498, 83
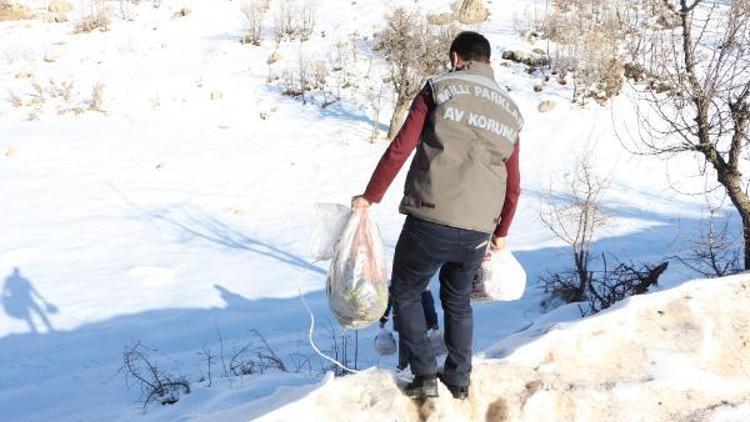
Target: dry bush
606, 286
574, 217
588, 35
254, 12
63, 90
10, 11
95, 16
156, 385
717, 251
97, 98
471, 12
308, 80
15, 100
294, 20
441, 19
414, 50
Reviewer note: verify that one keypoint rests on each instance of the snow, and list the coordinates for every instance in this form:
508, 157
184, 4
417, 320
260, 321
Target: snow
679, 354
182, 222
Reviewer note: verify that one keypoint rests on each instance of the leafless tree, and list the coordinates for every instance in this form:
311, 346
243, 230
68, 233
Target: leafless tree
574, 218
294, 19
414, 50
704, 61
254, 12
716, 251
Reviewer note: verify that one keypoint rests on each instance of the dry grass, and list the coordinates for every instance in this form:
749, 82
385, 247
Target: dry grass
12, 12
96, 17
97, 98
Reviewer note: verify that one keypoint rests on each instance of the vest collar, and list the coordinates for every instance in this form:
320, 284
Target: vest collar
477, 68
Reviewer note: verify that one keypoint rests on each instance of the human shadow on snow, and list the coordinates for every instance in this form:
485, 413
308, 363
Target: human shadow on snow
21, 300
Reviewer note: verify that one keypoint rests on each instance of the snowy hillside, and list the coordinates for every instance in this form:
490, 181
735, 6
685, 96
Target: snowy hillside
158, 189
676, 355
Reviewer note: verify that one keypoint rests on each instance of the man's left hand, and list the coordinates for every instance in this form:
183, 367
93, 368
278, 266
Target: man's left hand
498, 243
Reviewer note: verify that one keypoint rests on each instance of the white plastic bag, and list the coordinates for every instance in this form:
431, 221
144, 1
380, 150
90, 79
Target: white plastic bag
437, 342
501, 277
357, 285
331, 220
385, 343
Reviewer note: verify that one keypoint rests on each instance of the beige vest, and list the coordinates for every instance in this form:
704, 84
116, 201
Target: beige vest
457, 176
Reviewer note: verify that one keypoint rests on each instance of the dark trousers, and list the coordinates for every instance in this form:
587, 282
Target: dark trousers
422, 249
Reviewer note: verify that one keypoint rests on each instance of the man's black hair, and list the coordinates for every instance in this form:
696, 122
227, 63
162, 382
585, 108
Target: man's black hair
471, 45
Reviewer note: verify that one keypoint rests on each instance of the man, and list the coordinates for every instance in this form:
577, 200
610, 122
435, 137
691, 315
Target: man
461, 193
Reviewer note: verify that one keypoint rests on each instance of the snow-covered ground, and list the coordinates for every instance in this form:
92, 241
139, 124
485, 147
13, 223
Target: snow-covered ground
181, 222
676, 355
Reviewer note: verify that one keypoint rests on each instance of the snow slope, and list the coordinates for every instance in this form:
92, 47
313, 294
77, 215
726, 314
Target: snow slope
676, 355
182, 222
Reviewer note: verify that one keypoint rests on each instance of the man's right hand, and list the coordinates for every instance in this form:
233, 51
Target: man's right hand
360, 202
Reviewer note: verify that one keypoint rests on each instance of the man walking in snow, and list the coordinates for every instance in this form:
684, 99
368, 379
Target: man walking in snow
461, 193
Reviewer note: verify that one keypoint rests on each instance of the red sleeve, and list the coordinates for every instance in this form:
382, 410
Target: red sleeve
512, 192
401, 146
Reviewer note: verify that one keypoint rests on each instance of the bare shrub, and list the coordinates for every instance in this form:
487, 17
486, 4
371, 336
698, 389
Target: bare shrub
256, 357
254, 12
294, 20
342, 350
574, 218
307, 80
413, 49
10, 11
375, 101
156, 385
64, 90
717, 251
471, 12
588, 36
97, 97
605, 287
15, 100
95, 16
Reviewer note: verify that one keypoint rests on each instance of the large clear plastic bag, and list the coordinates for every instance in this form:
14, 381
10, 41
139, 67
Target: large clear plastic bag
501, 277
357, 285
331, 221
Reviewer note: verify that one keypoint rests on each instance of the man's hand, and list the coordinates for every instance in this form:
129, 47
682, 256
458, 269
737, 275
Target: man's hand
498, 243
360, 202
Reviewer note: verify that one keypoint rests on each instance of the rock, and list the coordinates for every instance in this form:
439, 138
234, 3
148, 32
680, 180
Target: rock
518, 56
181, 13
50, 56
216, 95
634, 72
547, 105
539, 51
60, 6
58, 17
538, 88
24, 74
471, 11
441, 19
